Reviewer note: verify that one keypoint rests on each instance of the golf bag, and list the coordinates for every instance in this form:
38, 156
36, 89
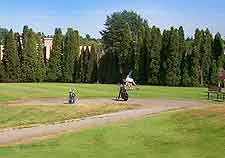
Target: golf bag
72, 96
123, 93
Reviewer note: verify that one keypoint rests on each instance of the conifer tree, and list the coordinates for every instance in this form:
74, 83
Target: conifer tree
81, 65
195, 58
86, 58
186, 64
202, 54
54, 70
164, 56
70, 55
125, 44
19, 45
121, 30
76, 61
218, 50
92, 66
154, 56
207, 57
142, 54
40, 71
29, 56
109, 68
24, 35
213, 80
173, 63
182, 53
3, 34
10, 59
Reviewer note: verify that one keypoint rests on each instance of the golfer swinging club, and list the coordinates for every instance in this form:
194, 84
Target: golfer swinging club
129, 80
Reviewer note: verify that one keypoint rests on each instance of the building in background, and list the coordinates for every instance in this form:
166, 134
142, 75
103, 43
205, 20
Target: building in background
1, 52
47, 47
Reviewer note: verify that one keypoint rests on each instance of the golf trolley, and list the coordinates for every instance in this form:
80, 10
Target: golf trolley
123, 93
72, 97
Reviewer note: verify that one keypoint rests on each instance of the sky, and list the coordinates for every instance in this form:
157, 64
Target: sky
88, 16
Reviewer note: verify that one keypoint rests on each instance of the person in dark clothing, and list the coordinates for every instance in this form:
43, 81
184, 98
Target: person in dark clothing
123, 93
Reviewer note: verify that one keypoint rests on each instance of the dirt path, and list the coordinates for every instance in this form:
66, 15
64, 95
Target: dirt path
100, 101
147, 107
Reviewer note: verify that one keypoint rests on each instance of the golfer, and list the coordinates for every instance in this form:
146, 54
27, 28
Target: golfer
129, 79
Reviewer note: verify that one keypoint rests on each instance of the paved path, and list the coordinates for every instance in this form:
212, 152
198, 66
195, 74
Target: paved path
148, 107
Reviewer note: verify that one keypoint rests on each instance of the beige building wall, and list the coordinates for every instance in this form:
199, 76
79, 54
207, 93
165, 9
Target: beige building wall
1, 51
48, 46
85, 47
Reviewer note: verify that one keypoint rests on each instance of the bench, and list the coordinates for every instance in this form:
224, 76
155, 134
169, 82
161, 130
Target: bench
216, 90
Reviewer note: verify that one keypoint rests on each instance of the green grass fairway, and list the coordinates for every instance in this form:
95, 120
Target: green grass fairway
13, 91
25, 116
188, 134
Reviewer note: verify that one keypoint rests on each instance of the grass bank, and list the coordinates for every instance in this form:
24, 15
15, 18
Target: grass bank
25, 116
195, 133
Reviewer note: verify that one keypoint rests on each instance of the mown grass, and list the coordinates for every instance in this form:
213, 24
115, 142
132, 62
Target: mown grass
25, 116
195, 133
13, 91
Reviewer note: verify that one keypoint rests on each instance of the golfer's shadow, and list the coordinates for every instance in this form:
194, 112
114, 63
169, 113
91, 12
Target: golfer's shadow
118, 100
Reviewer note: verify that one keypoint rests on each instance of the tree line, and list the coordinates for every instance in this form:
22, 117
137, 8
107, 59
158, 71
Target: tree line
158, 58
23, 58
129, 44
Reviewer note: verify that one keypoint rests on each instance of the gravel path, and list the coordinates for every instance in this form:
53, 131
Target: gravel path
147, 107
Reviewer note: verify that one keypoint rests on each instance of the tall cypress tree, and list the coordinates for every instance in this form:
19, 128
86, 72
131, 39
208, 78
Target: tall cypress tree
207, 56
186, 63
29, 56
195, 59
164, 56
109, 68
86, 58
3, 34
154, 56
54, 70
92, 66
81, 65
10, 59
19, 45
77, 54
24, 35
173, 63
218, 50
40, 71
182, 53
70, 55
142, 56
200, 46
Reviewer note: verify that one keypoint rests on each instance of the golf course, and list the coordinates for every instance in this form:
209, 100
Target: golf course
15, 91
112, 79
156, 122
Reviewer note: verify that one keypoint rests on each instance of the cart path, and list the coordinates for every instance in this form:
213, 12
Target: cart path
147, 107
98, 101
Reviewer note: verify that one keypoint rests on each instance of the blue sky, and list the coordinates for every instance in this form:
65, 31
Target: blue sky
88, 16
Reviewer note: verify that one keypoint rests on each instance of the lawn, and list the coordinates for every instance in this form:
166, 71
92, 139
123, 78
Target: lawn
25, 116
197, 133
13, 91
